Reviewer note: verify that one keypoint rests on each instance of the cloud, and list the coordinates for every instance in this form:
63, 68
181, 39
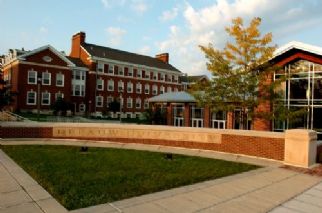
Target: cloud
106, 3
169, 14
139, 6
43, 30
115, 35
204, 25
145, 50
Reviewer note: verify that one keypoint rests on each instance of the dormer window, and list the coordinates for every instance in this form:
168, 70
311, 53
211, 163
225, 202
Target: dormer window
100, 67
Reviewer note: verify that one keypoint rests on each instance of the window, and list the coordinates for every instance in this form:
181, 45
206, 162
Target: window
138, 103
147, 75
111, 69
109, 100
46, 78
162, 77
78, 90
176, 78
60, 79
45, 98
147, 89
78, 75
32, 77
155, 76
129, 87
169, 89
120, 86
139, 73
100, 67
154, 90
129, 103
31, 98
59, 95
130, 72
110, 85
100, 84
99, 101
176, 89
82, 107
121, 71
138, 88
161, 89
146, 104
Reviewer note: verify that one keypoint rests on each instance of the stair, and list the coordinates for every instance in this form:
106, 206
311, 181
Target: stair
9, 116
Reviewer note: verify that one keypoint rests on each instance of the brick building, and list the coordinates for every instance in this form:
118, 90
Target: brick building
129, 77
90, 78
41, 76
303, 90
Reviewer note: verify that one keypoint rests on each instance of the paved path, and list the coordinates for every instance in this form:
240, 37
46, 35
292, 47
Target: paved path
260, 190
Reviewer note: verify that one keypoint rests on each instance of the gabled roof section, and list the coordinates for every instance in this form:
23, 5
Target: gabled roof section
119, 55
56, 52
298, 45
173, 97
76, 61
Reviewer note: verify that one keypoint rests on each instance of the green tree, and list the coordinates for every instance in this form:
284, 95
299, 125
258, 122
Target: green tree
241, 71
62, 106
114, 106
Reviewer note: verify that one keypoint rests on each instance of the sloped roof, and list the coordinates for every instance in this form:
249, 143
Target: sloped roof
173, 97
119, 55
297, 45
76, 61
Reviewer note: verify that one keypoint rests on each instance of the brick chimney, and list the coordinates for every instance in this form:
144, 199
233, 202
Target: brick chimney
77, 40
163, 57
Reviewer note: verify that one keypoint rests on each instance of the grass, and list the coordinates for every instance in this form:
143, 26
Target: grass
77, 179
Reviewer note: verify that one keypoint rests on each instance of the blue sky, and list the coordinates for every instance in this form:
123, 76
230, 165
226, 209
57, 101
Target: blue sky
150, 27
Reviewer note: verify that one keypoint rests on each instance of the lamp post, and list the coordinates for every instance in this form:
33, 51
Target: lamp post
38, 95
89, 108
121, 106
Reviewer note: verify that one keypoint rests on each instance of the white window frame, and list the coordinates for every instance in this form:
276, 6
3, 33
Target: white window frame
120, 69
130, 71
162, 77
120, 86
155, 76
42, 98
129, 87
57, 94
35, 98
147, 75
43, 78
154, 89
138, 88
138, 102
101, 101
129, 103
139, 73
169, 89
109, 100
35, 80
146, 89
100, 67
110, 69
62, 79
110, 85
146, 104
162, 89
100, 84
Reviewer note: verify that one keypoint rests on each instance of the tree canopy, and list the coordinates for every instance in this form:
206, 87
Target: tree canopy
241, 70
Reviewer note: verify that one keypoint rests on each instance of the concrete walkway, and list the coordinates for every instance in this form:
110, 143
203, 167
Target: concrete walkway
260, 190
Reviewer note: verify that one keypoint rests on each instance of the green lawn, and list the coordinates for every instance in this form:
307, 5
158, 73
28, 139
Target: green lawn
103, 175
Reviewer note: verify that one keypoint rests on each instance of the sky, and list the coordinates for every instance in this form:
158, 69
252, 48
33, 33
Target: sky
150, 27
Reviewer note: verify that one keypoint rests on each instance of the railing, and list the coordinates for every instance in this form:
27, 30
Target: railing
197, 122
219, 124
9, 116
178, 121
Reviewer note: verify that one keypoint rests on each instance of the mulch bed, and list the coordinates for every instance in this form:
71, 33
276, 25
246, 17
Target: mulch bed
316, 171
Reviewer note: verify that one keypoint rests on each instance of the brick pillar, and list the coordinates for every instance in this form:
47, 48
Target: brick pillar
206, 118
230, 120
169, 115
186, 115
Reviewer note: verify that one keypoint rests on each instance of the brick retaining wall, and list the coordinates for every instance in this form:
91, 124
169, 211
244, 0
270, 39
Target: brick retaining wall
270, 147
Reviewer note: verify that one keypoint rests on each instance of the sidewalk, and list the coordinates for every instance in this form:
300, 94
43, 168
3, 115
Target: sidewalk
260, 190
